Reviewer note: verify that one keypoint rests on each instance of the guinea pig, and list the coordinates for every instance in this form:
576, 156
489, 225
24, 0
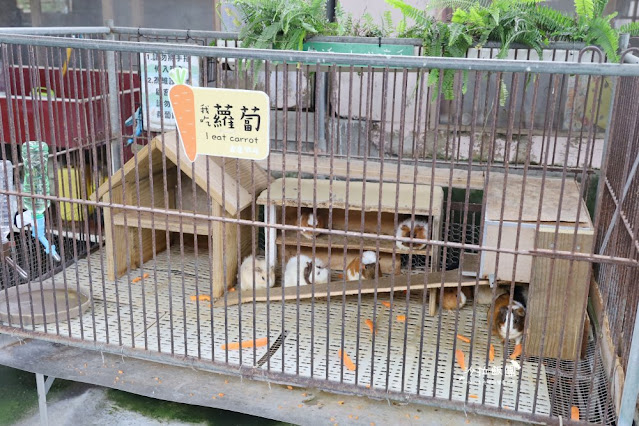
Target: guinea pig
407, 229
304, 270
366, 266
512, 324
310, 220
449, 301
264, 275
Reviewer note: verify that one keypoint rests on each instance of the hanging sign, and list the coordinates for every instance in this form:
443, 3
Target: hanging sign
220, 122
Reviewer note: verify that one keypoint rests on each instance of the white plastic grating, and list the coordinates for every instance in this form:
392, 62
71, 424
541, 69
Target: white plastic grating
173, 328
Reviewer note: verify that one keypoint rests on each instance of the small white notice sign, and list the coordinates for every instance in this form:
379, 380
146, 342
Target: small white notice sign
154, 69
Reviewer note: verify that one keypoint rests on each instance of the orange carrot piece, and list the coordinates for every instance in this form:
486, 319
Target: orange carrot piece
232, 289
385, 303
145, 276
463, 338
473, 396
574, 413
201, 298
245, 344
135, 280
371, 326
348, 363
459, 356
491, 353
516, 352
401, 318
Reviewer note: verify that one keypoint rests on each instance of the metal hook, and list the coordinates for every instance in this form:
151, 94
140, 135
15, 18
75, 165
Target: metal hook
591, 49
380, 42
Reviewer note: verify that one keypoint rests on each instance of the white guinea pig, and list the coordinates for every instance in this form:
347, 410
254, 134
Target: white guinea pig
264, 276
302, 270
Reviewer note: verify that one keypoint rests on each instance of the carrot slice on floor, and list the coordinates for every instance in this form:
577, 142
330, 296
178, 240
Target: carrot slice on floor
473, 396
574, 413
145, 276
459, 356
463, 338
201, 298
348, 363
245, 344
401, 318
385, 303
135, 280
491, 353
516, 352
371, 326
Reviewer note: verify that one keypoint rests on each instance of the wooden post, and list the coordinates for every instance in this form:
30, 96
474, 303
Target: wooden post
542, 283
224, 253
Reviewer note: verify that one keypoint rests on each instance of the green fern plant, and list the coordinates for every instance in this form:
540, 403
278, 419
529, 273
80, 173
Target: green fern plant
363, 27
631, 28
280, 24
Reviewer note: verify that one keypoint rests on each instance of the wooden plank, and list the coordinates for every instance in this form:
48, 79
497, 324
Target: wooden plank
140, 162
158, 221
241, 178
224, 249
338, 242
337, 258
140, 253
532, 195
558, 289
115, 239
342, 168
524, 265
609, 357
323, 194
350, 288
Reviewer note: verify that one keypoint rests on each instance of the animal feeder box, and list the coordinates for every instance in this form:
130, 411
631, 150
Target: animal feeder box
224, 188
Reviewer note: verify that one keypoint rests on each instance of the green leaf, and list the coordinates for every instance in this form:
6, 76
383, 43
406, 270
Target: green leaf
631, 28
503, 94
585, 8
179, 75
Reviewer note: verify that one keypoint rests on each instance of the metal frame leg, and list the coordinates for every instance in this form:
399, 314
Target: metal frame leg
43, 389
631, 385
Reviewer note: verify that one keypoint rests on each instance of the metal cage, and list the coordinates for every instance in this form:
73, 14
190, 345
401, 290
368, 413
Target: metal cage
524, 180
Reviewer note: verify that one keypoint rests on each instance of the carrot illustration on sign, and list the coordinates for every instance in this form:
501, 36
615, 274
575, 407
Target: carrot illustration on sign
182, 100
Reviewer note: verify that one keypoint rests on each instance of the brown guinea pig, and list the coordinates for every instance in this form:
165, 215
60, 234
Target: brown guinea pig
449, 301
407, 229
503, 323
308, 220
366, 267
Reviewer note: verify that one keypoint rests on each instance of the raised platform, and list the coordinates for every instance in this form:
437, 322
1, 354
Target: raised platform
158, 314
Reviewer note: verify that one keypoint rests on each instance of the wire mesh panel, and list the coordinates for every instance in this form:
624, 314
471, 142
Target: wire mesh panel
402, 239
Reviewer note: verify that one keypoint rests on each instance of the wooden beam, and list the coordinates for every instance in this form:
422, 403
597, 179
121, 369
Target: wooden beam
610, 360
338, 167
552, 281
351, 288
